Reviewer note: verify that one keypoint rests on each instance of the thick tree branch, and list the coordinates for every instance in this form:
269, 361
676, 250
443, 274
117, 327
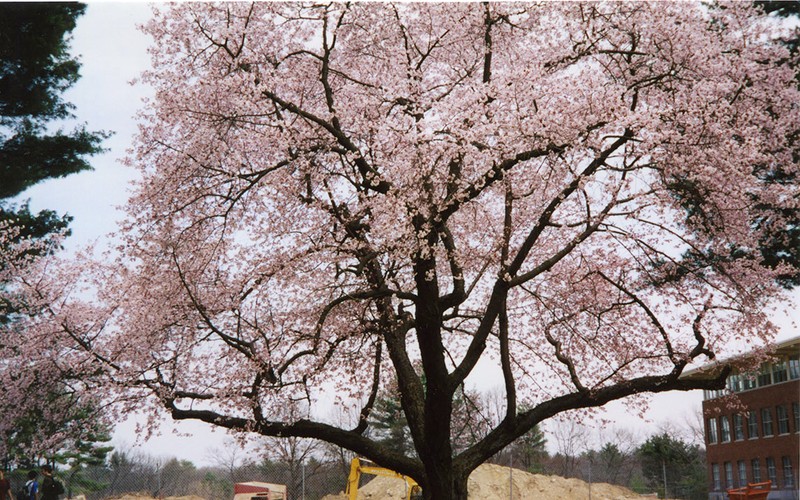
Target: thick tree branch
305, 429
368, 172
491, 176
508, 431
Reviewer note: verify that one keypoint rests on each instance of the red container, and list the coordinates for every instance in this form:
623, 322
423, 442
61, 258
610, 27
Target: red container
753, 491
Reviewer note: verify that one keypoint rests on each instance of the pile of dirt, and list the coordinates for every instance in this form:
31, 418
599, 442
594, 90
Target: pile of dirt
492, 482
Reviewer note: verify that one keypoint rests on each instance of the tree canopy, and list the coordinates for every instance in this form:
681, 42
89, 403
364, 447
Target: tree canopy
334, 195
670, 461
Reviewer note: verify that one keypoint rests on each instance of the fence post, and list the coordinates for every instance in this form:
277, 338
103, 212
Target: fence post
158, 478
511, 476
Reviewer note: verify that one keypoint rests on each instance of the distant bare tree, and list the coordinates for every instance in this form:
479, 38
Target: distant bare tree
695, 426
297, 458
339, 456
615, 462
677, 430
571, 439
130, 470
175, 477
234, 459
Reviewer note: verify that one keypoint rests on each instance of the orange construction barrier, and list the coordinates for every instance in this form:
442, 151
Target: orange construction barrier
753, 491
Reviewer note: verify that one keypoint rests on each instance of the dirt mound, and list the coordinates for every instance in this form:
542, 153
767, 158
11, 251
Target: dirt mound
492, 482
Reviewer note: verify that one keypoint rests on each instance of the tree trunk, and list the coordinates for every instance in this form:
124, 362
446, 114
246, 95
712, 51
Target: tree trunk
446, 485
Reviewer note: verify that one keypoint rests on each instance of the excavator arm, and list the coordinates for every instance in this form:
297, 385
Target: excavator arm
360, 466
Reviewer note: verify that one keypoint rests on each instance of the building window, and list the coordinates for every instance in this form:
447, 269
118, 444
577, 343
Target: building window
726, 429
794, 367
766, 422
765, 375
728, 475
708, 394
735, 383
738, 427
752, 424
756, 466
796, 412
712, 430
748, 382
779, 373
772, 472
742, 473
783, 419
788, 473
715, 477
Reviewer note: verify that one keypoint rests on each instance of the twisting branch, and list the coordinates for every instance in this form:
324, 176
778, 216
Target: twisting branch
505, 352
373, 393
562, 357
301, 428
505, 363
237, 344
508, 279
458, 295
700, 348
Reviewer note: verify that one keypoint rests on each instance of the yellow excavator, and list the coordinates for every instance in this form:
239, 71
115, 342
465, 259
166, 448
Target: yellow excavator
360, 466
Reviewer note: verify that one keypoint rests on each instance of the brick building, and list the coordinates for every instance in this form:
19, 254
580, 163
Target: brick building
760, 441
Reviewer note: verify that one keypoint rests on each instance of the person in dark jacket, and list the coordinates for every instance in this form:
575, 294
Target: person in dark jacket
48, 489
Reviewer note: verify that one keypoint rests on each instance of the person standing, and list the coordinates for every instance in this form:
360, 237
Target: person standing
5, 487
48, 489
32, 486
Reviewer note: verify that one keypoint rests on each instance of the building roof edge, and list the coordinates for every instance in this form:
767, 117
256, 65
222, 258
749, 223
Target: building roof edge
711, 370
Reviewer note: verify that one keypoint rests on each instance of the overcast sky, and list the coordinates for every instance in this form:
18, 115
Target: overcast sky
113, 52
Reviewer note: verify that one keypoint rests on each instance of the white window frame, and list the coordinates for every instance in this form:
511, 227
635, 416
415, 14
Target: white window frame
725, 429
766, 423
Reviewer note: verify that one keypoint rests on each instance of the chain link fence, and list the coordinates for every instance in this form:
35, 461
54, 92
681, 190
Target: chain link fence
308, 481
313, 479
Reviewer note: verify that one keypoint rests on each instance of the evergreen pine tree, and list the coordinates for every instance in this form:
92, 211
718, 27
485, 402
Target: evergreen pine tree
35, 69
